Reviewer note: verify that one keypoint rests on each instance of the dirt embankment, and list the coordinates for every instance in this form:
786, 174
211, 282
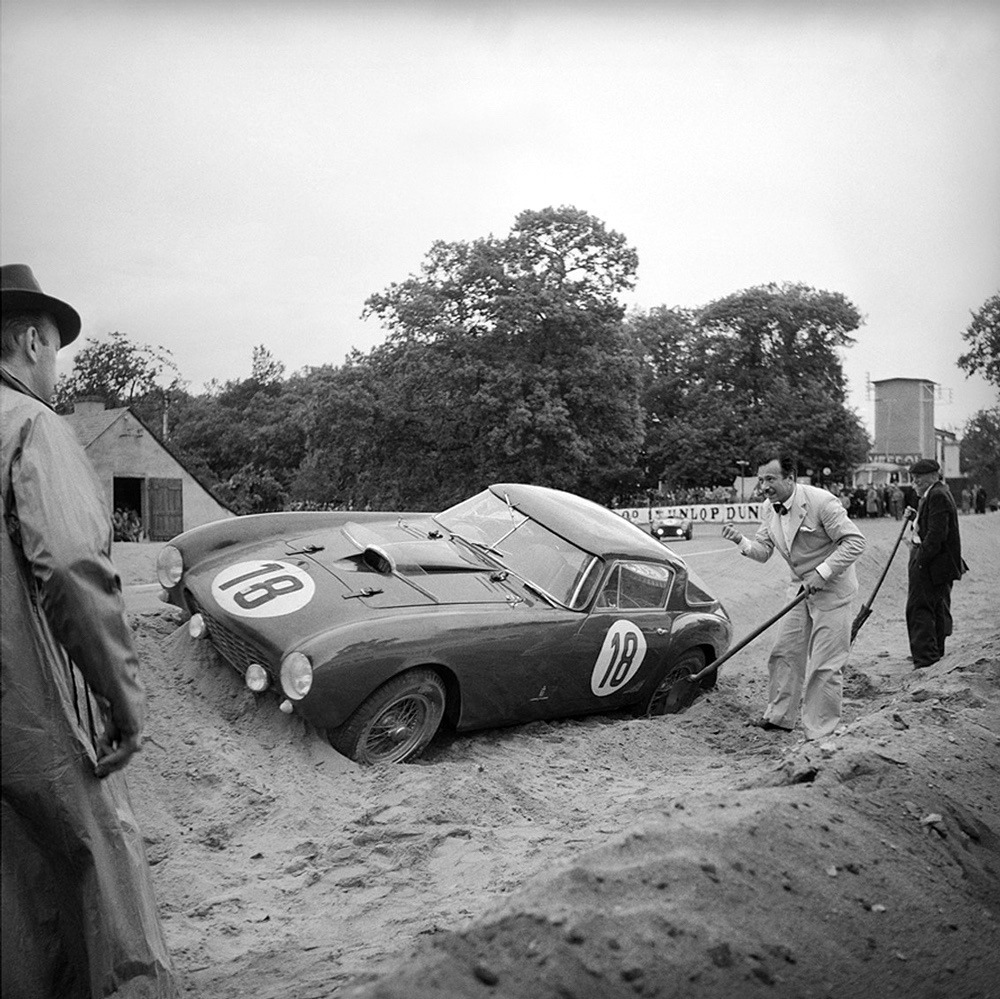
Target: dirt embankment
682, 856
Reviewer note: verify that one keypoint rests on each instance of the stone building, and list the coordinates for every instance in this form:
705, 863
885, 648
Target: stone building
905, 433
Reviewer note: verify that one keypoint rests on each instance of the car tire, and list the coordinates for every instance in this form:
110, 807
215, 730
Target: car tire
689, 534
674, 693
396, 722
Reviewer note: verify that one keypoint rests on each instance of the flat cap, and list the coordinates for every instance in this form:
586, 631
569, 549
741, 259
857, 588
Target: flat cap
924, 467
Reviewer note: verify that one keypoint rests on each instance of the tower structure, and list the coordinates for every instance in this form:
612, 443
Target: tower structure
904, 420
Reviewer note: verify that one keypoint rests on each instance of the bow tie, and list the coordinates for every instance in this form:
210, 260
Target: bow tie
780, 508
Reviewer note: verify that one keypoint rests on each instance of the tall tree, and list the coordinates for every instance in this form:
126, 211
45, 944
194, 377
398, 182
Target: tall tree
760, 364
505, 358
983, 335
980, 450
119, 371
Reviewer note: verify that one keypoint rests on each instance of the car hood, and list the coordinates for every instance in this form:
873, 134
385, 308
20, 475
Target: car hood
392, 565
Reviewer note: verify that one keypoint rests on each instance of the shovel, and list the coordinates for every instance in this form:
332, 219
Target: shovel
679, 691
866, 608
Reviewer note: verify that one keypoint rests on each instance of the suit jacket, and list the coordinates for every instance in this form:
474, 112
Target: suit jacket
940, 550
820, 531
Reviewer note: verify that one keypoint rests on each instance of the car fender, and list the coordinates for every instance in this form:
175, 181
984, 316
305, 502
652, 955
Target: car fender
695, 630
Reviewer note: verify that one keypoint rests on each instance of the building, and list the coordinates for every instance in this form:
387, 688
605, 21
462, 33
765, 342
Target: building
140, 474
905, 433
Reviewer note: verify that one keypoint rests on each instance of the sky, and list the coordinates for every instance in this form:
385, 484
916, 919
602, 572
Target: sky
214, 175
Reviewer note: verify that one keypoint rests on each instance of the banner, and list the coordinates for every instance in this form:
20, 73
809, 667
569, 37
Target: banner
700, 513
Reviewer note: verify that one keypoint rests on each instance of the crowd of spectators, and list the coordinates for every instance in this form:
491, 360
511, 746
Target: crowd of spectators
127, 525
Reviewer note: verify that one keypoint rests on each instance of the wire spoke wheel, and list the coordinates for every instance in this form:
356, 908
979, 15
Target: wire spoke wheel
398, 728
396, 722
675, 692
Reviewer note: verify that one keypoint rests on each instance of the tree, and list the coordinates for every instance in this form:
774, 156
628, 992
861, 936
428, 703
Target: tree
980, 450
265, 369
983, 333
119, 371
760, 364
505, 359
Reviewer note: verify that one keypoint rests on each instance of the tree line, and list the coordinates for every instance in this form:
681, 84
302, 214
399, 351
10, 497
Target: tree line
511, 359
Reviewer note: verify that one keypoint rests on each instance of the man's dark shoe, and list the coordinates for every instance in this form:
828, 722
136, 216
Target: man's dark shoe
930, 662
767, 726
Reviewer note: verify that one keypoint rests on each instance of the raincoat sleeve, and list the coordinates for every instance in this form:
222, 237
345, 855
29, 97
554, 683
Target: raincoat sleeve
65, 536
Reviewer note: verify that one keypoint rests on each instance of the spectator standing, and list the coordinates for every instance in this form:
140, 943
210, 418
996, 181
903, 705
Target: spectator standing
980, 499
896, 503
871, 502
79, 916
966, 499
935, 563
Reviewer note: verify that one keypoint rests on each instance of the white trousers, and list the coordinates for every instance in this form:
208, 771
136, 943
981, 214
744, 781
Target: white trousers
806, 665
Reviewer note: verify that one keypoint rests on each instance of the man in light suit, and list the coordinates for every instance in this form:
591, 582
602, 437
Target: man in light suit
810, 529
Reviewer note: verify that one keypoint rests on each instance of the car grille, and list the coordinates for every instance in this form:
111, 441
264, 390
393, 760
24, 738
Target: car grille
232, 647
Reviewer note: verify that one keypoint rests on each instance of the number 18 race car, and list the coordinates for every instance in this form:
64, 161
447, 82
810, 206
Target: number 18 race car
518, 604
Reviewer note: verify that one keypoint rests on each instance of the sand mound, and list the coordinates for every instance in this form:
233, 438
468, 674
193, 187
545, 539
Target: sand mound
682, 856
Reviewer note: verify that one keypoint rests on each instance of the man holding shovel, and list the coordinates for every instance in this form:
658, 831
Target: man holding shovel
810, 529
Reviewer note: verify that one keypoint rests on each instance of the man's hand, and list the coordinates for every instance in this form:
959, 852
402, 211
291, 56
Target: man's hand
115, 750
730, 533
813, 582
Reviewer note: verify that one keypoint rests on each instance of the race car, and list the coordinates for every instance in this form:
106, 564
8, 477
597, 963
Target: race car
518, 604
672, 527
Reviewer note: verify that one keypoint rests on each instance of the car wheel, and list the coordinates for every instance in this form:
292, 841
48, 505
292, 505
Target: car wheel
396, 722
690, 533
674, 692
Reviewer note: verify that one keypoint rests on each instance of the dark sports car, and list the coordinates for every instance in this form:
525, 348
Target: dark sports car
672, 527
520, 603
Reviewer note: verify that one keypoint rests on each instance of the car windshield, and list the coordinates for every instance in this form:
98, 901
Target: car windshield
525, 547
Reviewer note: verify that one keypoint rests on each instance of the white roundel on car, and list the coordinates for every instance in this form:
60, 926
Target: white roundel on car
621, 656
262, 588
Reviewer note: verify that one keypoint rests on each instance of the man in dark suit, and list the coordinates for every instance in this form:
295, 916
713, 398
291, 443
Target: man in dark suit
810, 530
935, 563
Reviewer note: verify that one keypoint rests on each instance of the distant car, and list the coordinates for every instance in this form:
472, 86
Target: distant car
518, 604
672, 527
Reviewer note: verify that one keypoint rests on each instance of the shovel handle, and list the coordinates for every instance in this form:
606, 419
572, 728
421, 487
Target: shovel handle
693, 677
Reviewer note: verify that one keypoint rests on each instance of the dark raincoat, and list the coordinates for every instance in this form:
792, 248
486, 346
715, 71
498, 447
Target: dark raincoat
79, 915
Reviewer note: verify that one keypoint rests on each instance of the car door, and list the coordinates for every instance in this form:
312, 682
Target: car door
621, 646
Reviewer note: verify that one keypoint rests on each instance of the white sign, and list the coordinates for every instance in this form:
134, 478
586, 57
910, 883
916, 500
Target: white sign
700, 513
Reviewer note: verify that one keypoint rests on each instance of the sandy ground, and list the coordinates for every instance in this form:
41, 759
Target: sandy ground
689, 855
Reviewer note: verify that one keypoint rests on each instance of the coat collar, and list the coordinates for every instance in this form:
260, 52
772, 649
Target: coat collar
8, 378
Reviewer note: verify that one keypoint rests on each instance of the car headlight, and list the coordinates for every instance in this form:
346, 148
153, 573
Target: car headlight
169, 567
296, 675
256, 678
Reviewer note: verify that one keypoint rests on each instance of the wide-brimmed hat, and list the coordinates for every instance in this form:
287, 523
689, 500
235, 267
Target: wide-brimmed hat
925, 466
20, 292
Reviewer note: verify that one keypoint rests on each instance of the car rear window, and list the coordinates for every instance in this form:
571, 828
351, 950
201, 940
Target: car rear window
695, 592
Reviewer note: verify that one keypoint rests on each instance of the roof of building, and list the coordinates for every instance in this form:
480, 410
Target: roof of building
90, 425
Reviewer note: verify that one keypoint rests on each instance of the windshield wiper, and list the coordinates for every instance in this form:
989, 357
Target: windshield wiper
547, 597
479, 546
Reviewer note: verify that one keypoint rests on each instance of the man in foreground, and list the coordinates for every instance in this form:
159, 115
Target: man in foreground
810, 529
79, 917
935, 563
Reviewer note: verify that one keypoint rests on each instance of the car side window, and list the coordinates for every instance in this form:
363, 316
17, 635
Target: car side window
636, 585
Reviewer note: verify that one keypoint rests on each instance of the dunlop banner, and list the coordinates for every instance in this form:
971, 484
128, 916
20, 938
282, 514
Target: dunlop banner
700, 513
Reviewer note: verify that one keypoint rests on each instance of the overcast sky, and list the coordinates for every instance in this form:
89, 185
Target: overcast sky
218, 174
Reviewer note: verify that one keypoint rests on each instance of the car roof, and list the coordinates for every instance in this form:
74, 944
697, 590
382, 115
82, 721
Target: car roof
586, 524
